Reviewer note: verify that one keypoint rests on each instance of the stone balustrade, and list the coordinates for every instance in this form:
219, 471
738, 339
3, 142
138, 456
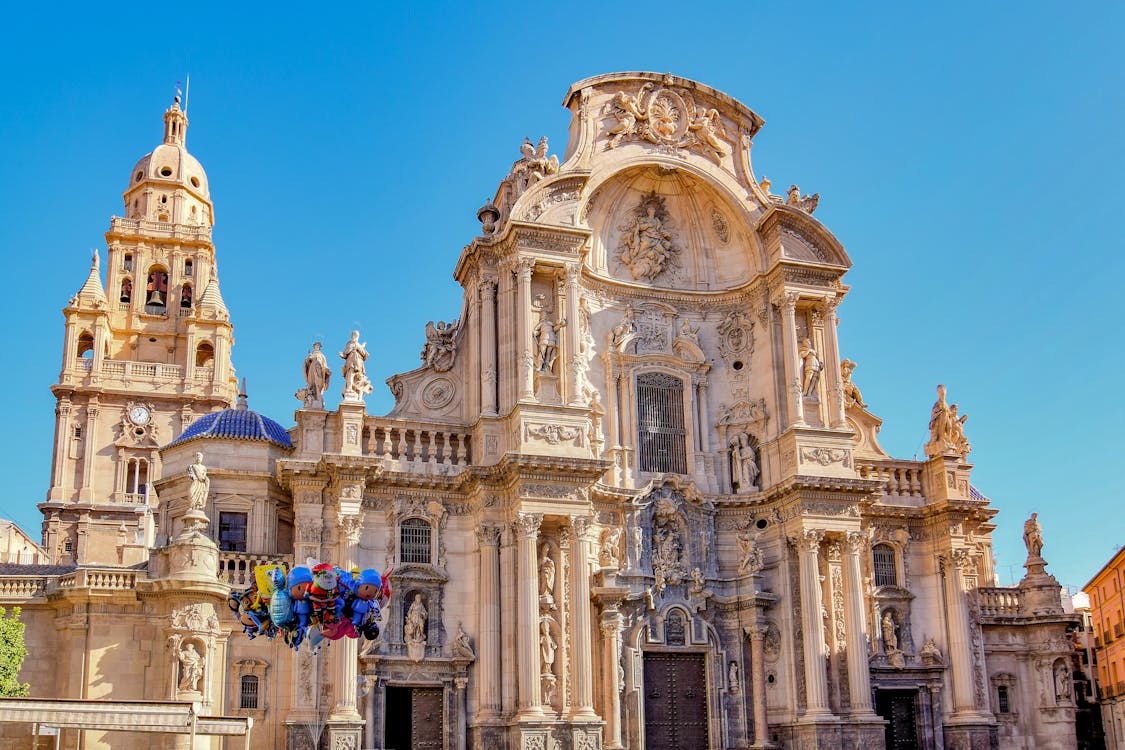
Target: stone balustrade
104, 579
21, 588
900, 478
417, 447
999, 601
237, 568
200, 233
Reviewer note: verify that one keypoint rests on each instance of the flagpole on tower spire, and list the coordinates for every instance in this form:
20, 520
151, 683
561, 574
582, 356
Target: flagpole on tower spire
187, 91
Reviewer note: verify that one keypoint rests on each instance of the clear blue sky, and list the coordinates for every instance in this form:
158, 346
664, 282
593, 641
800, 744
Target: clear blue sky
968, 155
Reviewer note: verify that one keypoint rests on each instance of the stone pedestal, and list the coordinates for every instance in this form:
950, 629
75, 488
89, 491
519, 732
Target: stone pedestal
342, 734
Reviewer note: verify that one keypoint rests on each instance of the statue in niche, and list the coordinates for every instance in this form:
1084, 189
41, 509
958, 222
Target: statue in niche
732, 678
414, 633
547, 644
646, 246
200, 488
667, 545
546, 335
597, 414
611, 547
1033, 537
356, 384
890, 634
1062, 681
806, 203
752, 560
947, 428
191, 668
852, 396
439, 351
534, 164
546, 576
317, 375
744, 463
810, 367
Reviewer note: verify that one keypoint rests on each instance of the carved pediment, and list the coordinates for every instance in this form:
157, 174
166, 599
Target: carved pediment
744, 413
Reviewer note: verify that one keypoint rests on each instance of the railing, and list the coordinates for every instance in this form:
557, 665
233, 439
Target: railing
124, 306
112, 579
22, 587
416, 447
899, 478
998, 601
130, 369
160, 228
205, 374
237, 568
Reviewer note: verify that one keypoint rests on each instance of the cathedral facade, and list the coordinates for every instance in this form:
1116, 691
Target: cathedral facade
631, 497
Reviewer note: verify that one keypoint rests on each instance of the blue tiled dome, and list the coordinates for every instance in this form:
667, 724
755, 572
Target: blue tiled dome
235, 424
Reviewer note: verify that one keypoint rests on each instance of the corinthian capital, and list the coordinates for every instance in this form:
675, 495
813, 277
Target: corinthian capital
857, 542
524, 267
527, 524
810, 539
488, 535
350, 525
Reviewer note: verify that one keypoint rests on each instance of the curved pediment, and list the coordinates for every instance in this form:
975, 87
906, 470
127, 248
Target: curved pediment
791, 234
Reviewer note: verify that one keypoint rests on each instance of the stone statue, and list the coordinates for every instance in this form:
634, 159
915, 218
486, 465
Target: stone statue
890, 636
200, 488
638, 543
546, 335
852, 396
627, 109
1062, 681
317, 375
611, 547
440, 351
191, 668
624, 327
688, 332
356, 384
706, 127
462, 648
947, 428
1033, 537
546, 576
743, 464
533, 165
547, 644
930, 653
810, 367
806, 203
414, 634
732, 678
646, 245
752, 561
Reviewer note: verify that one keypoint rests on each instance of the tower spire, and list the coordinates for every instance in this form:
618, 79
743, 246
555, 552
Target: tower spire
175, 122
92, 291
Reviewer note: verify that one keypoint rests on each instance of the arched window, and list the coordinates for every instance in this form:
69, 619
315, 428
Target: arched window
661, 435
126, 289
156, 292
85, 345
248, 692
886, 570
127, 262
185, 296
414, 541
204, 354
188, 266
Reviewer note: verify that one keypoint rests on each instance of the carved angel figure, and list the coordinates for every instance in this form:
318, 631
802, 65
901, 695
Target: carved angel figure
627, 110
439, 350
706, 127
806, 203
356, 384
317, 375
646, 247
534, 164
852, 395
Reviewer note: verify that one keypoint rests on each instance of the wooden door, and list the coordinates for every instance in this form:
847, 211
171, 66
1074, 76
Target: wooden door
427, 723
899, 708
675, 689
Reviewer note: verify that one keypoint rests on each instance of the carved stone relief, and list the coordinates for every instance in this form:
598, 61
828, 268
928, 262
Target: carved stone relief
647, 246
438, 393
667, 118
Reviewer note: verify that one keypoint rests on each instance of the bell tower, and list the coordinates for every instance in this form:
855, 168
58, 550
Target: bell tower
144, 354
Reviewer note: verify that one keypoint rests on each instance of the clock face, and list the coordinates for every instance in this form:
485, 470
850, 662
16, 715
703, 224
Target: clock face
139, 415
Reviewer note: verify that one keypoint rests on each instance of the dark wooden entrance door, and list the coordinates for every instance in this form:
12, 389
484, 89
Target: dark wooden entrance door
675, 692
899, 708
414, 719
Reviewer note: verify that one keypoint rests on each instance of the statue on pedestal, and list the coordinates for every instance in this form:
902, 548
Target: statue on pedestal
414, 634
356, 384
317, 376
200, 483
1033, 537
810, 367
191, 668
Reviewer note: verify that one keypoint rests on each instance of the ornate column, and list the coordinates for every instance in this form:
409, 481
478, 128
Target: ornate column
960, 640
757, 635
704, 410
788, 305
85, 492
509, 616
573, 330
488, 645
460, 706
816, 674
530, 700
612, 623
349, 521
583, 652
523, 320
859, 676
61, 469
832, 362
488, 372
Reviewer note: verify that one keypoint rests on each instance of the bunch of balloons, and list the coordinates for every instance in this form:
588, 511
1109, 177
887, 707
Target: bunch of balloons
311, 602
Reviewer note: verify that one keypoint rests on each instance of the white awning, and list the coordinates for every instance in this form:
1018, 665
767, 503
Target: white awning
174, 717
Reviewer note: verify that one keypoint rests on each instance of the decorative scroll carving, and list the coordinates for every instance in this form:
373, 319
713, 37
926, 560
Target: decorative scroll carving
647, 245
438, 393
665, 118
440, 350
196, 617
826, 456
551, 433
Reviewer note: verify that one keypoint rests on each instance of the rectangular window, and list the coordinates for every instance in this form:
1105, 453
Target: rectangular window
883, 560
232, 532
1003, 702
661, 435
248, 692
414, 541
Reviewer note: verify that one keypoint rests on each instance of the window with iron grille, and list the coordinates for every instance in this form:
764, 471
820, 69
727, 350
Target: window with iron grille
886, 574
1003, 703
414, 541
661, 436
232, 532
248, 692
